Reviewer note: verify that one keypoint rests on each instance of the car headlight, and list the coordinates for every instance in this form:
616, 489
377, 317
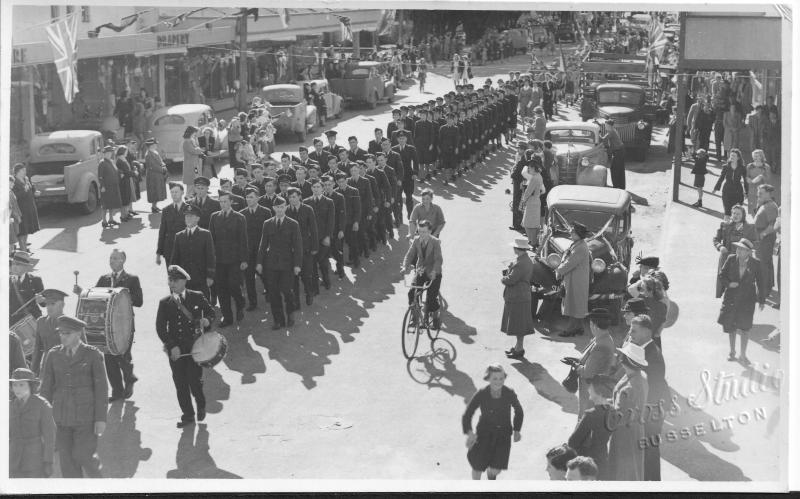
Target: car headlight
584, 161
598, 265
553, 260
641, 125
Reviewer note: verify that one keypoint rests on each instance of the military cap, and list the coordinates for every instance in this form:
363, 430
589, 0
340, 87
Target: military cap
193, 210
241, 171
278, 201
251, 190
302, 148
395, 111
284, 179
109, 148
317, 141
401, 133
269, 179
285, 155
340, 175
66, 324
202, 181
53, 294
253, 166
648, 261
404, 108
151, 141
176, 272
330, 133
175, 184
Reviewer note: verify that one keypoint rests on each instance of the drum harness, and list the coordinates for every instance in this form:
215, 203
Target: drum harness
198, 330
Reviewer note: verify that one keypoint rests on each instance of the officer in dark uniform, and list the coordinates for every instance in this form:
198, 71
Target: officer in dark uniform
401, 131
254, 215
229, 233
286, 169
355, 153
280, 256
392, 126
182, 316
340, 218
393, 188
424, 141
304, 216
172, 222
203, 201
375, 144
23, 286
383, 199
268, 199
302, 183
408, 121
408, 155
74, 382
258, 180
325, 216
320, 155
394, 161
367, 203
448, 148
353, 209
120, 367
371, 229
194, 249
226, 187
46, 334
240, 186
305, 160
332, 148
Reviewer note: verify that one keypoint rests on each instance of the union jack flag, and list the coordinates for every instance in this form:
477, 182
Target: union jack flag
63, 37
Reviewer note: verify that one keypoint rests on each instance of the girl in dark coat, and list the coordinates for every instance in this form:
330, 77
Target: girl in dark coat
26, 200
741, 278
125, 182
32, 430
108, 176
699, 171
731, 179
517, 320
490, 446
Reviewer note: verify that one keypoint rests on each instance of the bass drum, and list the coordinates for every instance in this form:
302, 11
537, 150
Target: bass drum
108, 314
25, 330
209, 349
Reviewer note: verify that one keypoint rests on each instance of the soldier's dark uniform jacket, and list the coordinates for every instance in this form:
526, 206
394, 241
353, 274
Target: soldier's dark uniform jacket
352, 203
364, 188
174, 328
172, 221
304, 216
76, 386
207, 207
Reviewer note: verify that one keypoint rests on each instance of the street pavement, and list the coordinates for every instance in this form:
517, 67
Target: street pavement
335, 398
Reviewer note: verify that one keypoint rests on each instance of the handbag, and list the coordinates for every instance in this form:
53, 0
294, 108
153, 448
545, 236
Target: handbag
570, 383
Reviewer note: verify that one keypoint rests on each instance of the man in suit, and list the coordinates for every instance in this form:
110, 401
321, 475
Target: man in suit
424, 142
203, 201
658, 394
393, 186
237, 201
229, 233
172, 222
302, 183
194, 251
286, 168
355, 153
382, 201
375, 145
394, 161
332, 148
353, 208
598, 358
254, 216
46, 334
320, 155
324, 213
364, 188
74, 382
280, 255
119, 368
408, 154
268, 199
340, 220
24, 287
425, 254
182, 316
304, 216
448, 147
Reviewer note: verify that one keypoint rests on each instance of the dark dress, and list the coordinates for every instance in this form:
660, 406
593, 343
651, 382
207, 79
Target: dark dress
109, 181
25, 192
494, 430
739, 303
699, 171
733, 188
125, 176
590, 437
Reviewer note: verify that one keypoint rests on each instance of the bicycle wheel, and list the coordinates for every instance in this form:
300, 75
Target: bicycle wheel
410, 333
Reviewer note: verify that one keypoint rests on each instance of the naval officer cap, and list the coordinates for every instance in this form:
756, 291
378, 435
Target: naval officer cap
284, 179
330, 133
66, 324
53, 294
202, 181
193, 210
176, 272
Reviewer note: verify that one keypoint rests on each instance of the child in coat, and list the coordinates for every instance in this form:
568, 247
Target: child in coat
699, 171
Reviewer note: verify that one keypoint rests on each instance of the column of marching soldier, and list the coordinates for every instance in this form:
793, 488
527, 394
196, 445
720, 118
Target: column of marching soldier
280, 223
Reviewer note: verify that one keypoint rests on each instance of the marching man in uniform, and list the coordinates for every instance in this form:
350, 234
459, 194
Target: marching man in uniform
180, 316
46, 334
194, 250
74, 381
120, 367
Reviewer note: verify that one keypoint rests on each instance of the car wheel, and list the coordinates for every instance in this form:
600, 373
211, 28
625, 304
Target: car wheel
90, 205
373, 103
301, 136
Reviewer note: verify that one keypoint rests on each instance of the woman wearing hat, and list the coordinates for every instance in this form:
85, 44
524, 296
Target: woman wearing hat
539, 123
32, 430
25, 192
728, 233
625, 455
517, 319
207, 142
125, 183
742, 280
156, 173
574, 271
108, 176
766, 217
490, 445
531, 203
192, 159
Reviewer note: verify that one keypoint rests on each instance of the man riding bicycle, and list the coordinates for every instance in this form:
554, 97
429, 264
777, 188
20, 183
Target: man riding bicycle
425, 254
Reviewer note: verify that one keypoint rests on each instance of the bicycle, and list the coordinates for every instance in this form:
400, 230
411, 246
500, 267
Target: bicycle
416, 319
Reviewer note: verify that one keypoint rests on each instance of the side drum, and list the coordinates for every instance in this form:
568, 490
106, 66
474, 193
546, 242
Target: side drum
209, 349
108, 314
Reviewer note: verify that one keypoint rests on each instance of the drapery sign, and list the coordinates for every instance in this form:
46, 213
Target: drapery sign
384, 26
63, 37
347, 31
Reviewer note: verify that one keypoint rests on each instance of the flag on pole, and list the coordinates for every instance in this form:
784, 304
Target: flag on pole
347, 31
126, 22
384, 26
283, 14
63, 37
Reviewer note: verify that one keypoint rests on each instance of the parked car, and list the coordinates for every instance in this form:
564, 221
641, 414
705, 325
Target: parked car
169, 123
565, 32
581, 156
607, 213
63, 167
365, 82
296, 115
518, 38
333, 102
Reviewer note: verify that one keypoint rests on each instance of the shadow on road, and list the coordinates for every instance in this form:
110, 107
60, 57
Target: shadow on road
437, 369
703, 209
120, 448
547, 386
474, 184
241, 357
193, 458
760, 333
123, 231
215, 390
52, 217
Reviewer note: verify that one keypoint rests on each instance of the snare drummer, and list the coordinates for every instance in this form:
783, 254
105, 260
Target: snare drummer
180, 315
120, 367
46, 334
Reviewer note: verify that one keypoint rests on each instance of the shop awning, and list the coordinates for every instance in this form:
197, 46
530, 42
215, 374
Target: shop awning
164, 51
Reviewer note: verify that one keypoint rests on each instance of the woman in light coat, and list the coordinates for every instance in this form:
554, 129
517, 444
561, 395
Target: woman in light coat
156, 173
732, 121
192, 159
625, 455
531, 204
758, 173
575, 272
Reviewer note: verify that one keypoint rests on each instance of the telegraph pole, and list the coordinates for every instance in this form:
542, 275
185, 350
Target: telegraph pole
242, 104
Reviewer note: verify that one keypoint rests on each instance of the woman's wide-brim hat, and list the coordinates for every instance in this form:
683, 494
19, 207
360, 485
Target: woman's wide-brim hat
634, 353
521, 244
23, 374
744, 243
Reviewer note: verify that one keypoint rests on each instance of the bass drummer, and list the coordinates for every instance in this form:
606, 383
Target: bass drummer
120, 367
181, 316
